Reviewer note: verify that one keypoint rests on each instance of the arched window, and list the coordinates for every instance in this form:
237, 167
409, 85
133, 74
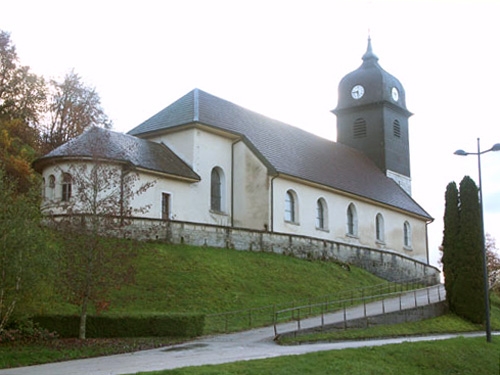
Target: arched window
321, 214
352, 220
290, 207
44, 189
52, 187
380, 228
216, 189
66, 187
407, 234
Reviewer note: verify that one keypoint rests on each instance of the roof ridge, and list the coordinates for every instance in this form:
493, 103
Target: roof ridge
196, 104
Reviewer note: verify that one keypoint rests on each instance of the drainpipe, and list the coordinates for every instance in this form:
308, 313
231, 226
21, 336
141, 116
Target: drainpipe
232, 181
271, 226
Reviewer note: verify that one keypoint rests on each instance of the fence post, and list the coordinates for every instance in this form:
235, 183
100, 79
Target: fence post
345, 318
322, 316
439, 292
298, 319
364, 303
428, 297
383, 306
275, 315
415, 295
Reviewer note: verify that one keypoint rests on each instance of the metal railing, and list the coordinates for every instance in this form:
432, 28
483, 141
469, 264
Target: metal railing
340, 312
238, 320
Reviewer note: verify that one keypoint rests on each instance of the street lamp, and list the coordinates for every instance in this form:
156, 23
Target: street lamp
496, 147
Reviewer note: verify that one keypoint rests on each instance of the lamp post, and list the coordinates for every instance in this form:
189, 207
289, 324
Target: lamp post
496, 147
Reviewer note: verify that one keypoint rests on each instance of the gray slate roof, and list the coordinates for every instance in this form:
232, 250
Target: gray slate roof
102, 143
285, 149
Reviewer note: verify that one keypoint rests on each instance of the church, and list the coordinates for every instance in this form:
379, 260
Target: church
216, 163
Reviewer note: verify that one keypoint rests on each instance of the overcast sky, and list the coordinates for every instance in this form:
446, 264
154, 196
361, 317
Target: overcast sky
284, 59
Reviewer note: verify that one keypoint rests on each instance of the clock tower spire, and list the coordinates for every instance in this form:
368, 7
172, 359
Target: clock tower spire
372, 117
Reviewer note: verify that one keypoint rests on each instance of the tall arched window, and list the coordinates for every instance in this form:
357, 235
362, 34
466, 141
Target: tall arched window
44, 189
66, 187
352, 220
321, 214
407, 234
380, 228
52, 187
216, 190
290, 206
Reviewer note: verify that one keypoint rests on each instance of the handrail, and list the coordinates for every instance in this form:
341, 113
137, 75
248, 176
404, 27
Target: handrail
296, 311
266, 315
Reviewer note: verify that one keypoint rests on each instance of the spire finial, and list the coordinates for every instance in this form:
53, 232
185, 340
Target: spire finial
369, 55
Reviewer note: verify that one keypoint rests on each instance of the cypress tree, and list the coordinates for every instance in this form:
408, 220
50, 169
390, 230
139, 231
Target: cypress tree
450, 240
467, 298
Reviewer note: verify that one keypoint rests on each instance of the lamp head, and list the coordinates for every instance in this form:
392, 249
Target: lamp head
463, 153
496, 147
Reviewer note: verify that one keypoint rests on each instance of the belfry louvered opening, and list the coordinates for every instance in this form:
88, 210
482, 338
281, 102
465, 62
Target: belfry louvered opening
359, 129
397, 129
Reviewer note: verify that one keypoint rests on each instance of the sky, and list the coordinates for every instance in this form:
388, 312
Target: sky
284, 59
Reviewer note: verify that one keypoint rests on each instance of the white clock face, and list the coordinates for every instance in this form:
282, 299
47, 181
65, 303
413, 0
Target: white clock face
357, 91
395, 94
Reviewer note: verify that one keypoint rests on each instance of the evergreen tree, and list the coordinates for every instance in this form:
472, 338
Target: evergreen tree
450, 240
467, 297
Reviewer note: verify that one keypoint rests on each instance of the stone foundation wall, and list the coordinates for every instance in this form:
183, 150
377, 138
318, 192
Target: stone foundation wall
385, 264
388, 265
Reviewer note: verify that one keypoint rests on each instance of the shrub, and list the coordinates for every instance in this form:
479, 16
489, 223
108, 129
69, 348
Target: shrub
173, 325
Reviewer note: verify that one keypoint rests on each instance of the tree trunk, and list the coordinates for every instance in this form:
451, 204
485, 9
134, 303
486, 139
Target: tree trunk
83, 319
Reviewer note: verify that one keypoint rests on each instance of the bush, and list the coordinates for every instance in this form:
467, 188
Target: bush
173, 325
25, 331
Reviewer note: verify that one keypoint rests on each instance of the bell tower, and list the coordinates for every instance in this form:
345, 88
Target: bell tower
372, 117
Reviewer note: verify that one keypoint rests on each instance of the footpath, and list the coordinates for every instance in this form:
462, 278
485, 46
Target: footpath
241, 346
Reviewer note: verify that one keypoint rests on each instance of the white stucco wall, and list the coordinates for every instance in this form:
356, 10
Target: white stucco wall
336, 217
251, 189
255, 192
203, 151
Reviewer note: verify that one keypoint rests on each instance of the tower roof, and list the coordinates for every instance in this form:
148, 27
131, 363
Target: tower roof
379, 85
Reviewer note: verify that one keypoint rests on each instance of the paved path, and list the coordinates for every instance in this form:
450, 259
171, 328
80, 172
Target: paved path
254, 344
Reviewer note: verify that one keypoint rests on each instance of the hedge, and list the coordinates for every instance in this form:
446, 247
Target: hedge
172, 325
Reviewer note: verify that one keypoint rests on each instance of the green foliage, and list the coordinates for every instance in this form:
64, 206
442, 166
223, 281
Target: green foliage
172, 325
463, 247
468, 296
450, 239
23, 253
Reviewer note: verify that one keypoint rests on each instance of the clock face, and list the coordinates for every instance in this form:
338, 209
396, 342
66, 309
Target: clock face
357, 91
395, 94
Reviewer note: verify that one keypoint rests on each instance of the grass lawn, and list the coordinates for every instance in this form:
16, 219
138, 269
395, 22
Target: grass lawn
193, 279
456, 356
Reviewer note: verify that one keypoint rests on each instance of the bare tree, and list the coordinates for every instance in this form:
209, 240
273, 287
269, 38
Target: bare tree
72, 108
97, 199
493, 260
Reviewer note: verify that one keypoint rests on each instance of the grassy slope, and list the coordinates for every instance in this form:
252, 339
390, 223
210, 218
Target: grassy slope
194, 279
181, 278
